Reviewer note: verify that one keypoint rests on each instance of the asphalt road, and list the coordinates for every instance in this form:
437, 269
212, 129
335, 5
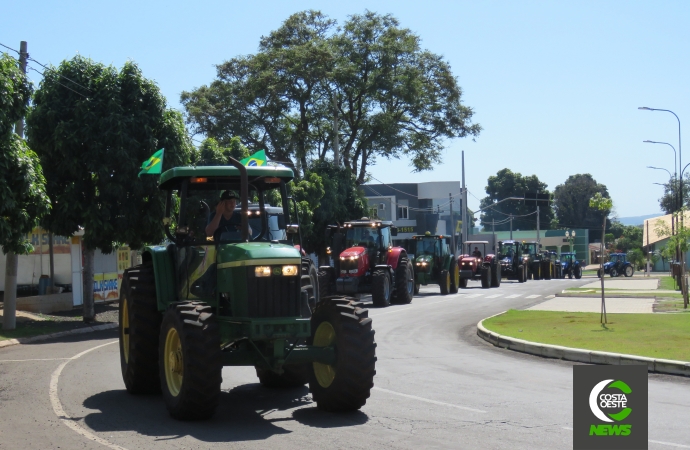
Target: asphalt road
437, 386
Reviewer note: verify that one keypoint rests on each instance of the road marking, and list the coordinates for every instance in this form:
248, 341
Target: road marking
473, 296
550, 296
422, 399
60, 411
514, 296
22, 360
494, 296
533, 296
670, 444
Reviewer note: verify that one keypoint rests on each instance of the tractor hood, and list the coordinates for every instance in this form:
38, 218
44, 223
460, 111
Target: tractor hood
608, 264
353, 252
425, 258
257, 253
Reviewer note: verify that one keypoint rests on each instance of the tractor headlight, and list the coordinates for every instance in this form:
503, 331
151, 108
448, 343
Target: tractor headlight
262, 271
352, 258
289, 271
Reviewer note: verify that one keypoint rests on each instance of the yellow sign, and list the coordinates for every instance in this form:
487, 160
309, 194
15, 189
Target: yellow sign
39, 239
458, 226
105, 286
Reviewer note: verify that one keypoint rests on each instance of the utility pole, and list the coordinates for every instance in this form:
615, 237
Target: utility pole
452, 225
538, 233
511, 226
9, 313
493, 231
336, 143
463, 207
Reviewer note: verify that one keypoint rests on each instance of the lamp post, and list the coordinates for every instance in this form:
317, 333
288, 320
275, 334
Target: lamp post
680, 197
570, 236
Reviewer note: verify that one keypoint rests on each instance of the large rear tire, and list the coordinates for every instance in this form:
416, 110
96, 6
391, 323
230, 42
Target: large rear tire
381, 288
486, 277
190, 360
311, 284
496, 276
404, 281
629, 271
139, 326
444, 282
345, 385
522, 276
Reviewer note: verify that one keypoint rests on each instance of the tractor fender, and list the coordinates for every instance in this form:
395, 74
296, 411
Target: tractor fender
394, 255
329, 270
387, 267
162, 260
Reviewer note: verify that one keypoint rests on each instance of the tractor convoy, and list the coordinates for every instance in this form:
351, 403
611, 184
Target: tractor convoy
239, 290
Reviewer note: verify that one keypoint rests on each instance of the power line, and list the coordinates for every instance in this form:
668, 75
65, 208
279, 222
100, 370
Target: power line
16, 51
59, 74
66, 87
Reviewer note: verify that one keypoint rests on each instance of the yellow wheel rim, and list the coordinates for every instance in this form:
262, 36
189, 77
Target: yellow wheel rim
174, 362
124, 329
324, 337
448, 282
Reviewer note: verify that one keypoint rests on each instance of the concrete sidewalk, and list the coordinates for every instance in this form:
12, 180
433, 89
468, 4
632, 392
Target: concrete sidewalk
592, 304
634, 285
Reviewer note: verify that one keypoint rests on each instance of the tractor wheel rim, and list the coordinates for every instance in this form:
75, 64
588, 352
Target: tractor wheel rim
174, 362
456, 276
324, 337
124, 330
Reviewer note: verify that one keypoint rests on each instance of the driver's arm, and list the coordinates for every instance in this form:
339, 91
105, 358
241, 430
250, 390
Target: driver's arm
213, 224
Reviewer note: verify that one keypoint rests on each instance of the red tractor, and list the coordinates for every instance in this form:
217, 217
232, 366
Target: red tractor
365, 261
477, 265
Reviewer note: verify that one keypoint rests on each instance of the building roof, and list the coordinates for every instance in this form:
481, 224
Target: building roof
658, 228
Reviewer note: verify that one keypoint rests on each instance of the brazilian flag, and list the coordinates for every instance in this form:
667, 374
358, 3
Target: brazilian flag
255, 160
153, 165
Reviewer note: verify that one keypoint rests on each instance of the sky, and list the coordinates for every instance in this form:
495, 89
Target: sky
555, 85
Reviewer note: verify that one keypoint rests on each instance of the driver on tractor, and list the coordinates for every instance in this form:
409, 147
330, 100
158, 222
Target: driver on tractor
225, 219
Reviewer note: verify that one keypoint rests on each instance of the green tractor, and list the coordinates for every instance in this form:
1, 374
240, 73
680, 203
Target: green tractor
435, 263
244, 297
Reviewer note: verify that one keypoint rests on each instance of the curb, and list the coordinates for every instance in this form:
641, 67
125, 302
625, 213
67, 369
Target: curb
664, 366
43, 337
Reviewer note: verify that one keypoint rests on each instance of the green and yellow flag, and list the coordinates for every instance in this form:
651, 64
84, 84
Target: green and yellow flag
153, 165
255, 160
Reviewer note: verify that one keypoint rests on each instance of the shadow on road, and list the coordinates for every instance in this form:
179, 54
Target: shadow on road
245, 413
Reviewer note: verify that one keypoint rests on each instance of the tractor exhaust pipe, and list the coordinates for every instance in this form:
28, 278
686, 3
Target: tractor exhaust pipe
244, 196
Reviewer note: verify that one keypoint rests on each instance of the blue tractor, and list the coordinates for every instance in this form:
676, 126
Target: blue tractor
570, 266
617, 265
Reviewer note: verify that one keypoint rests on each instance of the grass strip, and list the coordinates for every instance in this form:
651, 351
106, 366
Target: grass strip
667, 283
36, 328
665, 336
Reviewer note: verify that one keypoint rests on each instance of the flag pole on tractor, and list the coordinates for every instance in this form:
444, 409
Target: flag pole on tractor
153, 165
256, 159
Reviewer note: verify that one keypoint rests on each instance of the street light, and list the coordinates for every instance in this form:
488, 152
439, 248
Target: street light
661, 168
570, 237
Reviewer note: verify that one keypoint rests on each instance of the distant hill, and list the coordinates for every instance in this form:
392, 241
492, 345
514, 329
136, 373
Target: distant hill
637, 220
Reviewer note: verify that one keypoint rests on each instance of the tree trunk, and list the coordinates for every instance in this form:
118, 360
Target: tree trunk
9, 308
89, 311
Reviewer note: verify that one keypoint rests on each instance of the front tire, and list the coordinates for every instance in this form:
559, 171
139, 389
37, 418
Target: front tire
381, 288
578, 273
445, 282
486, 277
404, 282
324, 281
139, 325
190, 360
346, 385
613, 272
463, 283
521, 274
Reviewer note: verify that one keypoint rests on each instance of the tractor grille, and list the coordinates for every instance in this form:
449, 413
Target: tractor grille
349, 264
274, 296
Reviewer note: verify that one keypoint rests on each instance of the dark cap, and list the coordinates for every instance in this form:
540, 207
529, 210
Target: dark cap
227, 195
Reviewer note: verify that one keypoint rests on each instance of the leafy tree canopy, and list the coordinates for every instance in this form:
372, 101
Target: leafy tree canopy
507, 183
669, 201
92, 137
393, 98
23, 199
572, 203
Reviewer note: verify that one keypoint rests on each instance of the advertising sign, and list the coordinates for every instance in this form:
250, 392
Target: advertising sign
105, 286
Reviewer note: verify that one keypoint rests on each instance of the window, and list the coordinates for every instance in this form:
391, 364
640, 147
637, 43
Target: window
403, 212
386, 237
374, 212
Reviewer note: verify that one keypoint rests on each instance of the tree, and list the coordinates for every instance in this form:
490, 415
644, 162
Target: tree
507, 183
210, 153
571, 202
393, 98
92, 137
603, 206
625, 237
23, 200
669, 201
